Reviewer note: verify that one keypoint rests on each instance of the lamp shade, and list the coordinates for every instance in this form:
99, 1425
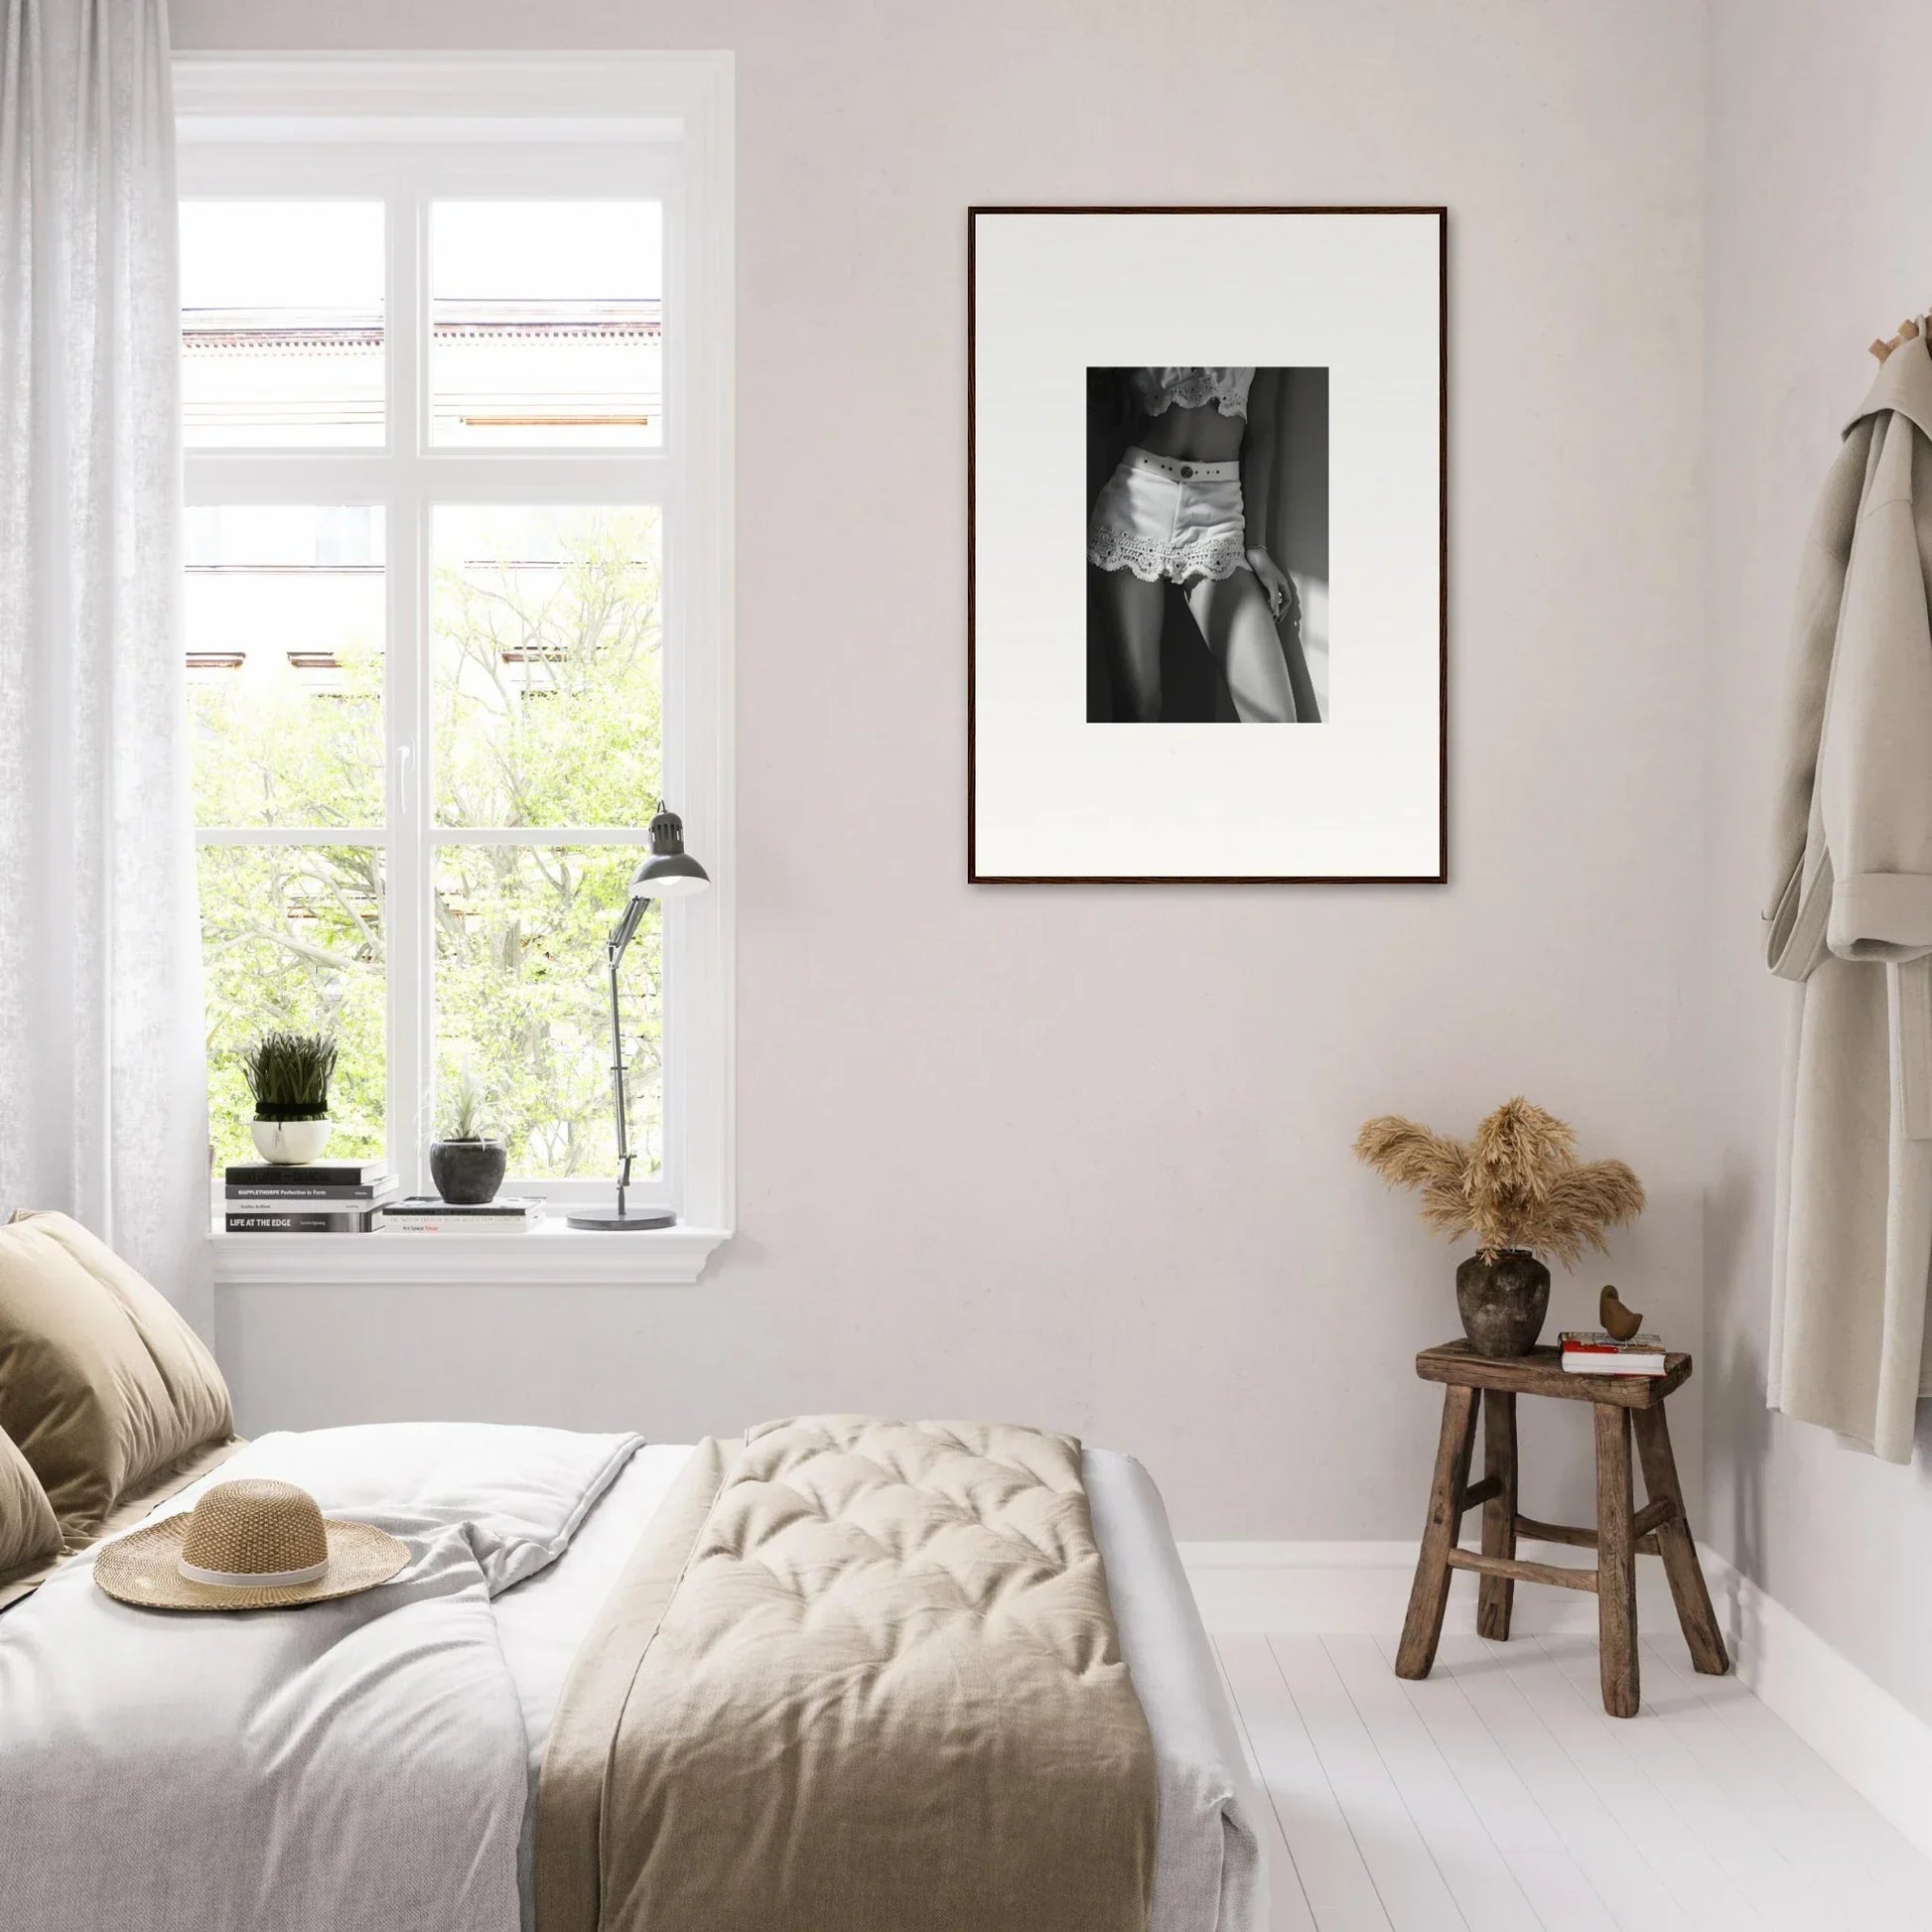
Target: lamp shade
670, 872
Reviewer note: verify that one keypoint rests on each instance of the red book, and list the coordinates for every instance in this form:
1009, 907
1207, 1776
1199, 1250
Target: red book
1590, 1351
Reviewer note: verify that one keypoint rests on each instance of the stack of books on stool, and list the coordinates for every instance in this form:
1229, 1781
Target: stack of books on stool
1595, 1351
322, 1197
431, 1214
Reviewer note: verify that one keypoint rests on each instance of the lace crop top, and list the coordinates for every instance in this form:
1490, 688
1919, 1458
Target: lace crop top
1158, 390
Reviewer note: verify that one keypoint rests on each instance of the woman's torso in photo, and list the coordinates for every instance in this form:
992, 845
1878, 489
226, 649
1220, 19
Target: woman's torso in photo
1171, 423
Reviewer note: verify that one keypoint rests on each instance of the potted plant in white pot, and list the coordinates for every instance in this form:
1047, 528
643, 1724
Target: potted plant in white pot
289, 1076
468, 1163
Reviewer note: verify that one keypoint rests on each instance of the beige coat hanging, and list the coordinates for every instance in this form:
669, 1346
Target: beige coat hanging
1851, 918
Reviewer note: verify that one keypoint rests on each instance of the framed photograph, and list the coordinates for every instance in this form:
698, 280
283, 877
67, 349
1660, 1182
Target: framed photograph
1157, 550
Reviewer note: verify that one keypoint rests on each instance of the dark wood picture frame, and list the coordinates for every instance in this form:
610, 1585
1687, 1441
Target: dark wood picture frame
973, 874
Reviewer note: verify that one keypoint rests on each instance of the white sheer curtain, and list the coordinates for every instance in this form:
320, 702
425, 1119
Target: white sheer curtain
102, 1078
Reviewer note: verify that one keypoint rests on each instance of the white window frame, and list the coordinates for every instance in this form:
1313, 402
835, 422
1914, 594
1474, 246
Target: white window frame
404, 129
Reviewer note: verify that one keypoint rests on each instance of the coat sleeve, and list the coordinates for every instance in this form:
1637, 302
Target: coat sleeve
1820, 594
1875, 758
1799, 901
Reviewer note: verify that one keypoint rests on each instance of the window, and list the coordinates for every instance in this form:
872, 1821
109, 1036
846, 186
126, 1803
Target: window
546, 324
454, 388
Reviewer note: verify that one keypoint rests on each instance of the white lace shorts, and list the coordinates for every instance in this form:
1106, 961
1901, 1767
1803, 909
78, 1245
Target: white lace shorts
1161, 517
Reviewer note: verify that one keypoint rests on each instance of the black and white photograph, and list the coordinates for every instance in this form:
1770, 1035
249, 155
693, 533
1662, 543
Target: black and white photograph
1207, 545
1156, 549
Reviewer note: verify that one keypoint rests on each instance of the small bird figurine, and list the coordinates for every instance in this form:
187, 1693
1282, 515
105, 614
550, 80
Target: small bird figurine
1618, 1322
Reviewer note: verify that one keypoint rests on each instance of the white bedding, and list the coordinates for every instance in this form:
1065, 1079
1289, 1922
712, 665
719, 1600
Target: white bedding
361, 1763
351, 1767
1208, 1874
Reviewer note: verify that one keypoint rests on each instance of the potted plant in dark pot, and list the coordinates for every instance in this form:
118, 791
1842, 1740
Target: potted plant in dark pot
289, 1076
468, 1163
1520, 1189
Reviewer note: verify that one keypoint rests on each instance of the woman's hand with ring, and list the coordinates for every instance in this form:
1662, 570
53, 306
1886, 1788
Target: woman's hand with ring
1275, 582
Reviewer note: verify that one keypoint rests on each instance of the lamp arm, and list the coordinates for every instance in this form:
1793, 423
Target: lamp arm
626, 928
615, 947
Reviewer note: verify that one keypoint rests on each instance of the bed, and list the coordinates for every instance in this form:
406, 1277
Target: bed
842, 1674
161, 1794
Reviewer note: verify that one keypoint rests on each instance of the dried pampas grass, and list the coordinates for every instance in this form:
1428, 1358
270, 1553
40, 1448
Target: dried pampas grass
1410, 1155
1517, 1184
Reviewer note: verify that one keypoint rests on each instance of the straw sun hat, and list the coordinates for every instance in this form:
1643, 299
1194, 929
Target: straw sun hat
251, 1545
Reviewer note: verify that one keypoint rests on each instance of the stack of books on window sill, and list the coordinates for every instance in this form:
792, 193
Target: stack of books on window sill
429, 1214
1594, 1351
322, 1197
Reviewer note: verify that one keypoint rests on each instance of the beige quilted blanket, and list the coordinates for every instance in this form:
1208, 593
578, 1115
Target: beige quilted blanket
860, 1676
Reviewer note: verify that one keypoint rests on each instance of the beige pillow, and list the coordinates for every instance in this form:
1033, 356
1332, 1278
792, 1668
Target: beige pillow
29, 1535
103, 1385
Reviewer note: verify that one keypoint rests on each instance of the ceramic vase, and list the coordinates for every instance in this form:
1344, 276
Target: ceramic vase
1503, 1300
468, 1173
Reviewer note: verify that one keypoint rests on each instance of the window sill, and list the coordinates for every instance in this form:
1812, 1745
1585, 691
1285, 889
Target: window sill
549, 1255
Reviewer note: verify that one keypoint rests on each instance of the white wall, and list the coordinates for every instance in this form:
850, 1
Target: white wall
1080, 1156
1820, 156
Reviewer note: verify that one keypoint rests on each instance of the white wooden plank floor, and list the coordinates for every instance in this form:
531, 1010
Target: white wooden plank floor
1496, 1796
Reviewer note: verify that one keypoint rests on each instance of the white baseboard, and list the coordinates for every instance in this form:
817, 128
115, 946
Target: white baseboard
1882, 1750
1362, 1588
1878, 1746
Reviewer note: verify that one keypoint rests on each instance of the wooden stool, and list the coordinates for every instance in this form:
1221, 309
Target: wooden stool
1659, 1529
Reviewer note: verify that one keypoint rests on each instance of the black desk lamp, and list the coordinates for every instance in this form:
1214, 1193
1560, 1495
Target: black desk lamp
669, 873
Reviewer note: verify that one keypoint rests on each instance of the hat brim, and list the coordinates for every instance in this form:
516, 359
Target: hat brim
142, 1569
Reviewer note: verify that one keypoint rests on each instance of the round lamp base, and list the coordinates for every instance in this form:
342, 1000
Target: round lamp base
609, 1220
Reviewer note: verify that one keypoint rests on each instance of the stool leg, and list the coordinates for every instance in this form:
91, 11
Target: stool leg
1674, 1541
1421, 1630
1496, 1595
1616, 1563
